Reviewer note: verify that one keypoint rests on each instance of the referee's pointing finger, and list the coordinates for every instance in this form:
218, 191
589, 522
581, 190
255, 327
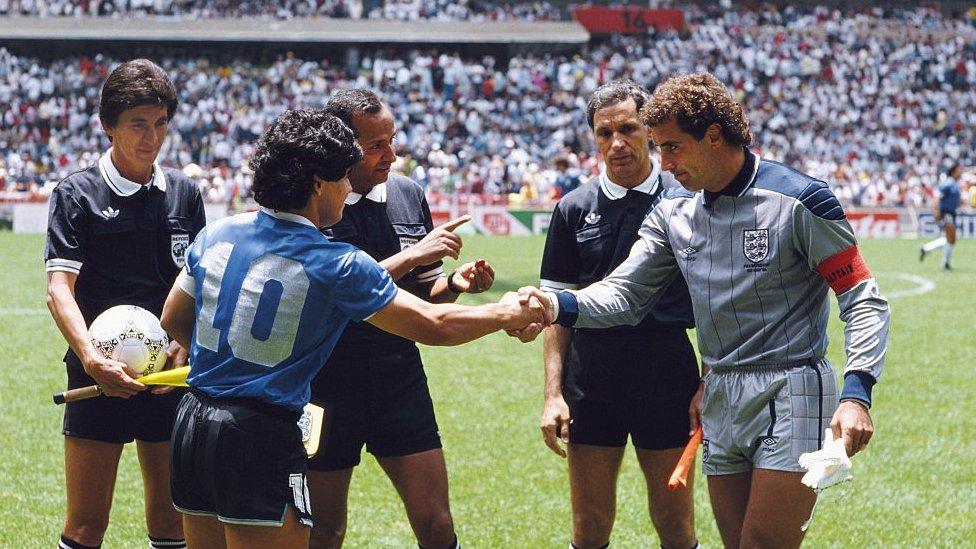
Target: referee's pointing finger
455, 223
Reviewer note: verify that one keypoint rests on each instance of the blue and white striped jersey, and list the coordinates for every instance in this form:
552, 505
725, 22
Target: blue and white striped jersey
272, 296
758, 258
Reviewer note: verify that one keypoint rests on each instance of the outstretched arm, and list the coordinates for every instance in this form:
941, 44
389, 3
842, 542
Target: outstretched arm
448, 324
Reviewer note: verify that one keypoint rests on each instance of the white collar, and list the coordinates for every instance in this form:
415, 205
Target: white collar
615, 192
376, 194
125, 187
294, 218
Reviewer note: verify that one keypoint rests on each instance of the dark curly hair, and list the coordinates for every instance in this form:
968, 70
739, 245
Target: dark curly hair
299, 145
134, 84
695, 102
615, 92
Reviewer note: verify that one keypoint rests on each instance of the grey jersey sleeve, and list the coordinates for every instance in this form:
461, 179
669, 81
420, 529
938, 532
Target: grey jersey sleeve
627, 294
829, 245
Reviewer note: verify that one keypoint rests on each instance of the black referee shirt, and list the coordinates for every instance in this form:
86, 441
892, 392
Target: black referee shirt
592, 231
390, 219
127, 242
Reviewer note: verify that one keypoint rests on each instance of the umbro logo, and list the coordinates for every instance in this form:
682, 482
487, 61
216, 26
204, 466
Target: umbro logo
768, 443
689, 251
592, 218
110, 213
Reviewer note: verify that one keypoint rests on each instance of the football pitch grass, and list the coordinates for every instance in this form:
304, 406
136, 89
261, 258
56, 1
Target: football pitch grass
914, 487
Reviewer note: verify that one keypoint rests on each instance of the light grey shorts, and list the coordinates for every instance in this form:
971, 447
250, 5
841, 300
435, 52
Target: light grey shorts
764, 418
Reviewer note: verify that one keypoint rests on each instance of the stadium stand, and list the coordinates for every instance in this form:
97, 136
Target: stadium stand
844, 95
399, 10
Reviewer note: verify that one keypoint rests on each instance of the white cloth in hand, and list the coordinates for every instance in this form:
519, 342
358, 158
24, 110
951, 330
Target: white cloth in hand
827, 466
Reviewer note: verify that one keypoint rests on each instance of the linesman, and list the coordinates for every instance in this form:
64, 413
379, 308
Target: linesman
603, 385
117, 235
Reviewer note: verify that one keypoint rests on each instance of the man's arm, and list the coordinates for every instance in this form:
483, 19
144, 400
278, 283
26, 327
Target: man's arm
448, 324
179, 311
824, 236
114, 377
627, 294
438, 244
555, 411
559, 270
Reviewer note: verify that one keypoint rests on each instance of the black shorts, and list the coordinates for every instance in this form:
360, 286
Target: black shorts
144, 416
238, 459
382, 402
948, 217
617, 388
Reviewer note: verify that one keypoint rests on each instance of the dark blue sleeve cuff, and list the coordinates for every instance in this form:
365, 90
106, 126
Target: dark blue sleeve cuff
568, 309
857, 386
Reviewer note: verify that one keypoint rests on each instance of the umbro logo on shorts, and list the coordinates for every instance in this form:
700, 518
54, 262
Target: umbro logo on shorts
705, 452
768, 443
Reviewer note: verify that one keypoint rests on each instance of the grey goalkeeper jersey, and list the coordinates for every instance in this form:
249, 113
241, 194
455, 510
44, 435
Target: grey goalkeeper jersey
758, 258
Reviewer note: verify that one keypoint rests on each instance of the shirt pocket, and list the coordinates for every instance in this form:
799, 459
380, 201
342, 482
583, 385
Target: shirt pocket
592, 243
409, 234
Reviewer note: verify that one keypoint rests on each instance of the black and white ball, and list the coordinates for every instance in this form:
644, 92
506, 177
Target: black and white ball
131, 335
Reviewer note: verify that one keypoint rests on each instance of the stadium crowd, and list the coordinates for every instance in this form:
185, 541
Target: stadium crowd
875, 113
401, 10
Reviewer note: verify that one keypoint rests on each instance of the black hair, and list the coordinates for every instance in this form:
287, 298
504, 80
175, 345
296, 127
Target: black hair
347, 103
298, 146
613, 93
134, 84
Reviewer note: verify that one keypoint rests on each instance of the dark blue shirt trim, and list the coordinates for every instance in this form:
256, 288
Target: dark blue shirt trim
857, 386
821, 202
568, 309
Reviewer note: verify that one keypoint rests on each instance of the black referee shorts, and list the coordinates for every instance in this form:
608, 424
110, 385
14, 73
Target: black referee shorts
382, 402
238, 459
620, 387
144, 416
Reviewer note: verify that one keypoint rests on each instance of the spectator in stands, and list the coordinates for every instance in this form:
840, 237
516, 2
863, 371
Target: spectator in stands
850, 97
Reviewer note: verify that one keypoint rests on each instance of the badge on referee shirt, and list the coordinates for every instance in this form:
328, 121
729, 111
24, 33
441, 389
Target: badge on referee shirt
178, 244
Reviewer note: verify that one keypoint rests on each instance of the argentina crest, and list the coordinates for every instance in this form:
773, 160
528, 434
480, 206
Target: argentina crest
178, 244
755, 244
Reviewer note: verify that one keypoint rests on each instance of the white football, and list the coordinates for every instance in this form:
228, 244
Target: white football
131, 335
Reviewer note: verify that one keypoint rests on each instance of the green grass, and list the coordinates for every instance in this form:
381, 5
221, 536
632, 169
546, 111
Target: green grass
915, 486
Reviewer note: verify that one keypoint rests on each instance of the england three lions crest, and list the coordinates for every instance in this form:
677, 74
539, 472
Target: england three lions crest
178, 245
755, 244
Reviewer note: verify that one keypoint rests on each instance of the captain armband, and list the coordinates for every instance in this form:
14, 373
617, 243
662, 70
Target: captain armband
844, 270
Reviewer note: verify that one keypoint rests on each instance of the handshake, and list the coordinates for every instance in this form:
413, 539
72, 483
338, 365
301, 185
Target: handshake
531, 309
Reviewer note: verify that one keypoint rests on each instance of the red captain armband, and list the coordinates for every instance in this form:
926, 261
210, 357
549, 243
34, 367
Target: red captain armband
844, 270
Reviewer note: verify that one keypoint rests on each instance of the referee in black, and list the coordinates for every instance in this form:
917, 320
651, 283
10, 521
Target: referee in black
373, 387
603, 385
117, 234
